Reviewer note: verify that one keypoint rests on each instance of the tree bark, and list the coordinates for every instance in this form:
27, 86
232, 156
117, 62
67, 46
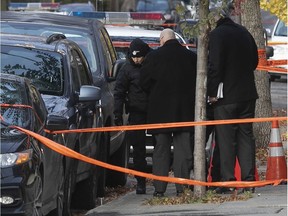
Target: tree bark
200, 104
251, 19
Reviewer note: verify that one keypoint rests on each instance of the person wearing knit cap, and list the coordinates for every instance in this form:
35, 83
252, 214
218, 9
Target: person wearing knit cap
128, 94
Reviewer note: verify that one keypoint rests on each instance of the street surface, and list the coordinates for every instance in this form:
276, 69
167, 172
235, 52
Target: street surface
279, 94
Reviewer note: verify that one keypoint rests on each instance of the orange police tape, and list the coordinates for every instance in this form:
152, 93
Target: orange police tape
268, 65
72, 154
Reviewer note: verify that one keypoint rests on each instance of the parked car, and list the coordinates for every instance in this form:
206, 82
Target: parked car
167, 7
122, 36
92, 37
58, 68
32, 175
278, 41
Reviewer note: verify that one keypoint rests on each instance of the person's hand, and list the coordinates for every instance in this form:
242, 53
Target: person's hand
118, 120
212, 100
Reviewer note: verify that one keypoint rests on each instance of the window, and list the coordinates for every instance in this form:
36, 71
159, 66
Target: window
109, 50
43, 68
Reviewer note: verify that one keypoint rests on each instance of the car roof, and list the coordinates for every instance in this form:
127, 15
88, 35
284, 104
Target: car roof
126, 31
14, 78
133, 32
52, 18
38, 42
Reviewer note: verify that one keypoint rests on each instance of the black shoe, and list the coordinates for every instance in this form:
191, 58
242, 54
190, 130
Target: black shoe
158, 194
224, 190
179, 193
251, 190
141, 188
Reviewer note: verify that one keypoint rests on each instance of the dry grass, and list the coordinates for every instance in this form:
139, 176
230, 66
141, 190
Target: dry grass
188, 198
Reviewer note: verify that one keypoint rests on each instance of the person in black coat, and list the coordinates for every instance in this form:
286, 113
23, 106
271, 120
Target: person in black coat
128, 92
168, 75
233, 57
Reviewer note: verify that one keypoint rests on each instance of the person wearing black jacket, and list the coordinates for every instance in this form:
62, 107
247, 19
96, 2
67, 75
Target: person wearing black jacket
128, 94
168, 75
233, 57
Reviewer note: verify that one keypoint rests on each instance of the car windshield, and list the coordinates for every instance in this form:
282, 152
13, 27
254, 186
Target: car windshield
83, 39
281, 29
12, 93
77, 7
268, 21
43, 68
151, 5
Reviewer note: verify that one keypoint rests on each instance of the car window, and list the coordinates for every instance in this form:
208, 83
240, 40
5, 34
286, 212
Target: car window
43, 68
268, 21
82, 38
12, 93
75, 73
81, 69
76, 7
108, 50
39, 107
281, 29
152, 6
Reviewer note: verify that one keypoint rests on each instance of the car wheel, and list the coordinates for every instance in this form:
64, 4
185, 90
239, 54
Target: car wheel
102, 155
37, 205
85, 195
70, 178
60, 197
119, 158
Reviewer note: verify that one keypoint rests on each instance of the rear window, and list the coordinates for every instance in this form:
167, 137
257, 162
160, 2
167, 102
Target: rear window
43, 68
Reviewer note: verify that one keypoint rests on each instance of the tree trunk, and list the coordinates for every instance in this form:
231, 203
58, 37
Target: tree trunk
200, 104
251, 19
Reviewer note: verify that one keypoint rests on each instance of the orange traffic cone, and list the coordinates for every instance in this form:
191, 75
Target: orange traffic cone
276, 162
237, 172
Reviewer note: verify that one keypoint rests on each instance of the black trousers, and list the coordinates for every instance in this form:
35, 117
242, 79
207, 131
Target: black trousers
137, 140
182, 161
236, 140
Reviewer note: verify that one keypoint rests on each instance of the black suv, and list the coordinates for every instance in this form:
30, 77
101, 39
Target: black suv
92, 37
58, 68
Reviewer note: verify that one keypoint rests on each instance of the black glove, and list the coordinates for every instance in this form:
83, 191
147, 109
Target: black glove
118, 120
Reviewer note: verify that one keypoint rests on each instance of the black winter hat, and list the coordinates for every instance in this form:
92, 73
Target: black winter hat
138, 48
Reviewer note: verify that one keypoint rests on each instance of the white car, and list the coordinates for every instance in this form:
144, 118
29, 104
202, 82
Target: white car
279, 42
122, 36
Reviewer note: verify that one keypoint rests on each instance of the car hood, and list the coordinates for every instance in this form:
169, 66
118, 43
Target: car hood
13, 140
55, 104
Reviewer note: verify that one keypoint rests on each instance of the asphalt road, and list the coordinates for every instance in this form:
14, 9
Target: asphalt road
279, 94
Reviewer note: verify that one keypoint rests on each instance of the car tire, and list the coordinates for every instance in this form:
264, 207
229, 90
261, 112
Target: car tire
85, 194
37, 203
70, 178
60, 197
119, 158
103, 155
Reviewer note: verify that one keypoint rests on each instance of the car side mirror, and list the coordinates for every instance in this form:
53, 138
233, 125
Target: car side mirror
115, 70
89, 93
269, 51
55, 122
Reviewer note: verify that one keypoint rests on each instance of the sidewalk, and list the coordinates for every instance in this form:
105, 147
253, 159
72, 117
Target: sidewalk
268, 200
